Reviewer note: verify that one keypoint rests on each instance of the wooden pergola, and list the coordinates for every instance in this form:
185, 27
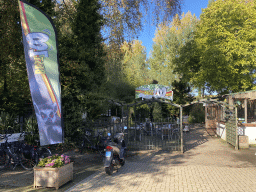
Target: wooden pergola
245, 96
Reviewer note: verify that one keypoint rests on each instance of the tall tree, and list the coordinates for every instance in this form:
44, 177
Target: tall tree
46, 6
14, 88
167, 42
123, 22
222, 56
81, 48
135, 68
123, 18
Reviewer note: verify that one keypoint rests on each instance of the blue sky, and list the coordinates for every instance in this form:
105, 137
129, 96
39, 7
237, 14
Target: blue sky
148, 33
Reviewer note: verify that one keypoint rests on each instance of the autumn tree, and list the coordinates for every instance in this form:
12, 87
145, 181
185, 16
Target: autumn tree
135, 67
167, 42
123, 22
123, 18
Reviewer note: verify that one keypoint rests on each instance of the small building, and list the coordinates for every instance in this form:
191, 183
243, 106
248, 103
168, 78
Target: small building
216, 116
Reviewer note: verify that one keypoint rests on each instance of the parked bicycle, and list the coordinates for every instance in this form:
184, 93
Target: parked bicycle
99, 145
18, 153
34, 153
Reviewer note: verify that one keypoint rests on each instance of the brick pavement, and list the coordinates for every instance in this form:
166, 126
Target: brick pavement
208, 164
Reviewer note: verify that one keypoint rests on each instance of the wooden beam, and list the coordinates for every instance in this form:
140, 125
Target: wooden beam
181, 131
237, 137
245, 110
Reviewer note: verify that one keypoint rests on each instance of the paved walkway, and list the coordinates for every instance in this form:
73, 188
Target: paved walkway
208, 164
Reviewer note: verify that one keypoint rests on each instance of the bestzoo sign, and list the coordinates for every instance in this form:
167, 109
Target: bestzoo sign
154, 91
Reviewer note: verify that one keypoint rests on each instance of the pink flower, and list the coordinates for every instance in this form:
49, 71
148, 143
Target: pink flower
49, 165
66, 157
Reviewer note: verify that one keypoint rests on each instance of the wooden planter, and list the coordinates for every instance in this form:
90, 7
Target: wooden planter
52, 177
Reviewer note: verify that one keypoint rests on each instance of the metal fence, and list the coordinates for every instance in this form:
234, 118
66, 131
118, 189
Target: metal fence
141, 135
153, 136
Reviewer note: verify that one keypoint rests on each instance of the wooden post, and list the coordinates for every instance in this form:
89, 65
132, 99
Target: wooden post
245, 110
237, 137
128, 118
181, 131
122, 119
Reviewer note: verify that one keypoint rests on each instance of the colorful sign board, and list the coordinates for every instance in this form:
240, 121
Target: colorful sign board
154, 91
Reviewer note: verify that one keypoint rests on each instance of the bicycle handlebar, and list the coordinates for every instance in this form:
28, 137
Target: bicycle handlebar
26, 133
5, 136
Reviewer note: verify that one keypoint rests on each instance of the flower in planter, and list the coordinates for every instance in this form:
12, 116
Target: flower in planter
54, 161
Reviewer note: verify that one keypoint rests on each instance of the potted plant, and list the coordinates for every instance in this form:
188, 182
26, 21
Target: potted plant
53, 171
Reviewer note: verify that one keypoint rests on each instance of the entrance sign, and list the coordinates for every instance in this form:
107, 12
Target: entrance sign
41, 55
154, 91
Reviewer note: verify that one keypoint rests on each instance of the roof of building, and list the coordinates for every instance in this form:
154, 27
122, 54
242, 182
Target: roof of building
241, 95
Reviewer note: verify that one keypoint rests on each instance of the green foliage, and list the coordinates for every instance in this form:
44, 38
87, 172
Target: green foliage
125, 62
197, 114
81, 63
134, 66
30, 125
8, 123
181, 95
168, 41
46, 6
54, 161
90, 70
222, 54
13, 78
157, 112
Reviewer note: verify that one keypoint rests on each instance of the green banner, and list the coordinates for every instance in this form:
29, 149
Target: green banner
40, 47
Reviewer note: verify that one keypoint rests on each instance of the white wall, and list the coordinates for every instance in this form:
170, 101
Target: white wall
249, 131
221, 131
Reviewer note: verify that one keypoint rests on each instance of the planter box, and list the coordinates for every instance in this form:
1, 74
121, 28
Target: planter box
52, 177
243, 142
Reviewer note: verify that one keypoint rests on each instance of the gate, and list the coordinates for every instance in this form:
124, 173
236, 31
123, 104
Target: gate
231, 126
147, 135
154, 136
142, 135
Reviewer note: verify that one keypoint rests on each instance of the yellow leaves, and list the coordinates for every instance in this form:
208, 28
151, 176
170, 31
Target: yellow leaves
134, 62
177, 26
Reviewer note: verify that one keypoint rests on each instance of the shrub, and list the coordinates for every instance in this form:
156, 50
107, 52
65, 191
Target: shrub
54, 161
197, 113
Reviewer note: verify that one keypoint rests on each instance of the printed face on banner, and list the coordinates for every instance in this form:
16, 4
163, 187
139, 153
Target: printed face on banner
154, 91
50, 122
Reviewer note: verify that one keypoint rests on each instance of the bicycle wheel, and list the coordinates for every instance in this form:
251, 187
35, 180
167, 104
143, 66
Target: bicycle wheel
4, 159
86, 144
44, 152
26, 163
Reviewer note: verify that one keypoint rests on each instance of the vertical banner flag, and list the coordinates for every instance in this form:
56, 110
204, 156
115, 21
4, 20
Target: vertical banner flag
40, 47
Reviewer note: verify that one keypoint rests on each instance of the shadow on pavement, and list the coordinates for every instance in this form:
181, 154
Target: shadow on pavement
195, 137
